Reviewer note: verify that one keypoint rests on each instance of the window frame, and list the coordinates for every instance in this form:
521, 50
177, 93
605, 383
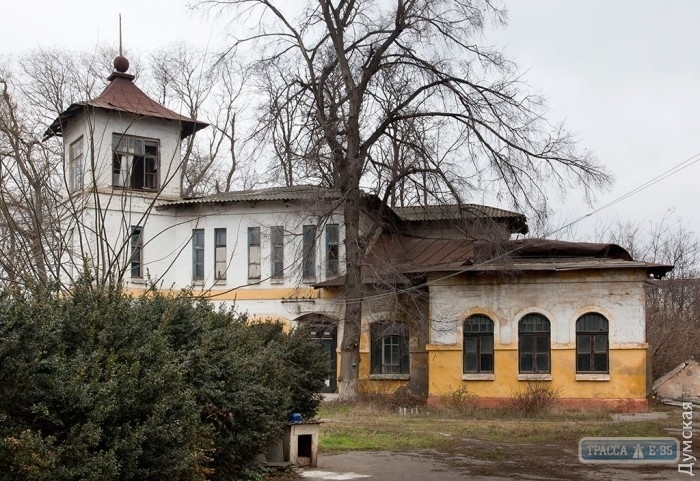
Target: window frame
308, 254
220, 254
483, 331
594, 334
76, 165
134, 150
136, 254
254, 253
386, 339
198, 242
277, 252
332, 250
535, 338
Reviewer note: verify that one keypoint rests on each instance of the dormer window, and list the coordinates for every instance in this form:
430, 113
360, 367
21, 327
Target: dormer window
135, 162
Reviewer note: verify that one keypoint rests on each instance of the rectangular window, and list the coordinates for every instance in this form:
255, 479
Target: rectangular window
478, 353
332, 250
389, 350
308, 260
534, 353
135, 162
253, 252
391, 355
277, 251
220, 260
76, 171
534, 333
197, 254
592, 349
478, 344
136, 258
592, 352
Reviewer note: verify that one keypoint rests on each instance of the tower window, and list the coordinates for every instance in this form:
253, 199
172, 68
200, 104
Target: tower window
76, 165
135, 162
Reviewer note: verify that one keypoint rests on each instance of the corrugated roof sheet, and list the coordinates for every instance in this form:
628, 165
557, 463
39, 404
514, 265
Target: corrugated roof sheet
452, 212
297, 192
122, 95
314, 192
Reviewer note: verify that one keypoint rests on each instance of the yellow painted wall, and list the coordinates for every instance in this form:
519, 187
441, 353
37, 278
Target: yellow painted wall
627, 374
246, 294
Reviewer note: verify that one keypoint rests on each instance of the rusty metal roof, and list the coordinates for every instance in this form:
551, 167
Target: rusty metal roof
122, 95
398, 257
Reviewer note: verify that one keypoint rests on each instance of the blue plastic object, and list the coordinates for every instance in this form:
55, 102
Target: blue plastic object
294, 418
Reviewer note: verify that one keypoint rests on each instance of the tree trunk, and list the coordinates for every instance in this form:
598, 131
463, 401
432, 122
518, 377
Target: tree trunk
419, 380
354, 255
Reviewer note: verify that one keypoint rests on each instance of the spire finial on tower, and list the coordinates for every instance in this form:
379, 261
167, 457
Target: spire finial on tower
121, 64
120, 34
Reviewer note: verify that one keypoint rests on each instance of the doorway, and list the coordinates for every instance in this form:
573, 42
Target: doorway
324, 329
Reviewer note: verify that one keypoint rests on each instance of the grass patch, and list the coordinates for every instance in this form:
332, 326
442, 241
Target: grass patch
352, 427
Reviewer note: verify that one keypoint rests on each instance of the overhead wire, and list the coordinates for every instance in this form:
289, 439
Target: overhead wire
655, 180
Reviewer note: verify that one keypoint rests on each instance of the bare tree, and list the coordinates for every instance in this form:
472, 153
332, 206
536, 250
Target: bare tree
188, 80
673, 303
29, 191
44, 220
340, 65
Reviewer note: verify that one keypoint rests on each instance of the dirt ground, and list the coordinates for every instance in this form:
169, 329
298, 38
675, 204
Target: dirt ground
536, 463
490, 449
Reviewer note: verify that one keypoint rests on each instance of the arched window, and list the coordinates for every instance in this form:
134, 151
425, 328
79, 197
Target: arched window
389, 348
478, 344
592, 351
534, 344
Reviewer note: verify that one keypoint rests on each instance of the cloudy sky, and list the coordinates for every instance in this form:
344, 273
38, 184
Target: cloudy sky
623, 74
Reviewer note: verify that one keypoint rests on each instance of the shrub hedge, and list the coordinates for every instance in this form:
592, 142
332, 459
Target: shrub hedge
101, 386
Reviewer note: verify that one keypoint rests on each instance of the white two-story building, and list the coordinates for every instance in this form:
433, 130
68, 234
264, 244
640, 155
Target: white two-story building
451, 302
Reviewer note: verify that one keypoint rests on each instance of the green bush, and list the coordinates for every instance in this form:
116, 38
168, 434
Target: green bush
99, 386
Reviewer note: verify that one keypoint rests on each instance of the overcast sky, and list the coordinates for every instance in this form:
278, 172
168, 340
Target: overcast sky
623, 75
